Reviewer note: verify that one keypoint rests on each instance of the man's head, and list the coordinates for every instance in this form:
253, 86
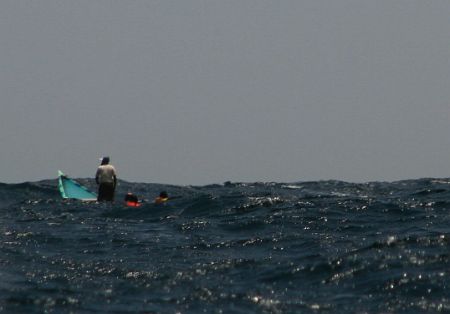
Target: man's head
105, 160
163, 194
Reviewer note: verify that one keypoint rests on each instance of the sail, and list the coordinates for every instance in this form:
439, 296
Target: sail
71, 189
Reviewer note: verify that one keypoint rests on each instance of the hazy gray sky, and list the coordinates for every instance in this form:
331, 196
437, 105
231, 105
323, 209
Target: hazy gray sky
197, 92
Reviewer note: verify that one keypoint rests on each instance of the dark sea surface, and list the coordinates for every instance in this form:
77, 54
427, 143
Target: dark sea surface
306, 247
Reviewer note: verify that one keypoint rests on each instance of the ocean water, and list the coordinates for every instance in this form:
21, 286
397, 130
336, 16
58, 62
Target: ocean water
306, 247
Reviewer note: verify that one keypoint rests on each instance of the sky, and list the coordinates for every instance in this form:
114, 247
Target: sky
195, 92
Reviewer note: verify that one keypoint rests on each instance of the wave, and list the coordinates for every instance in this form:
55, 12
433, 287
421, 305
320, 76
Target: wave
232, 247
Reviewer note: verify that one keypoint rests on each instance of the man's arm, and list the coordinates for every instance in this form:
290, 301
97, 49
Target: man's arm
115, 177
97, 175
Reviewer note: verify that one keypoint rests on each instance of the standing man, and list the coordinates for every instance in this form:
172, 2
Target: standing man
107, 180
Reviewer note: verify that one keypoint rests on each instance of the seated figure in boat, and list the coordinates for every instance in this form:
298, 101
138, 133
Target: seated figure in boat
132, 200
162, 198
